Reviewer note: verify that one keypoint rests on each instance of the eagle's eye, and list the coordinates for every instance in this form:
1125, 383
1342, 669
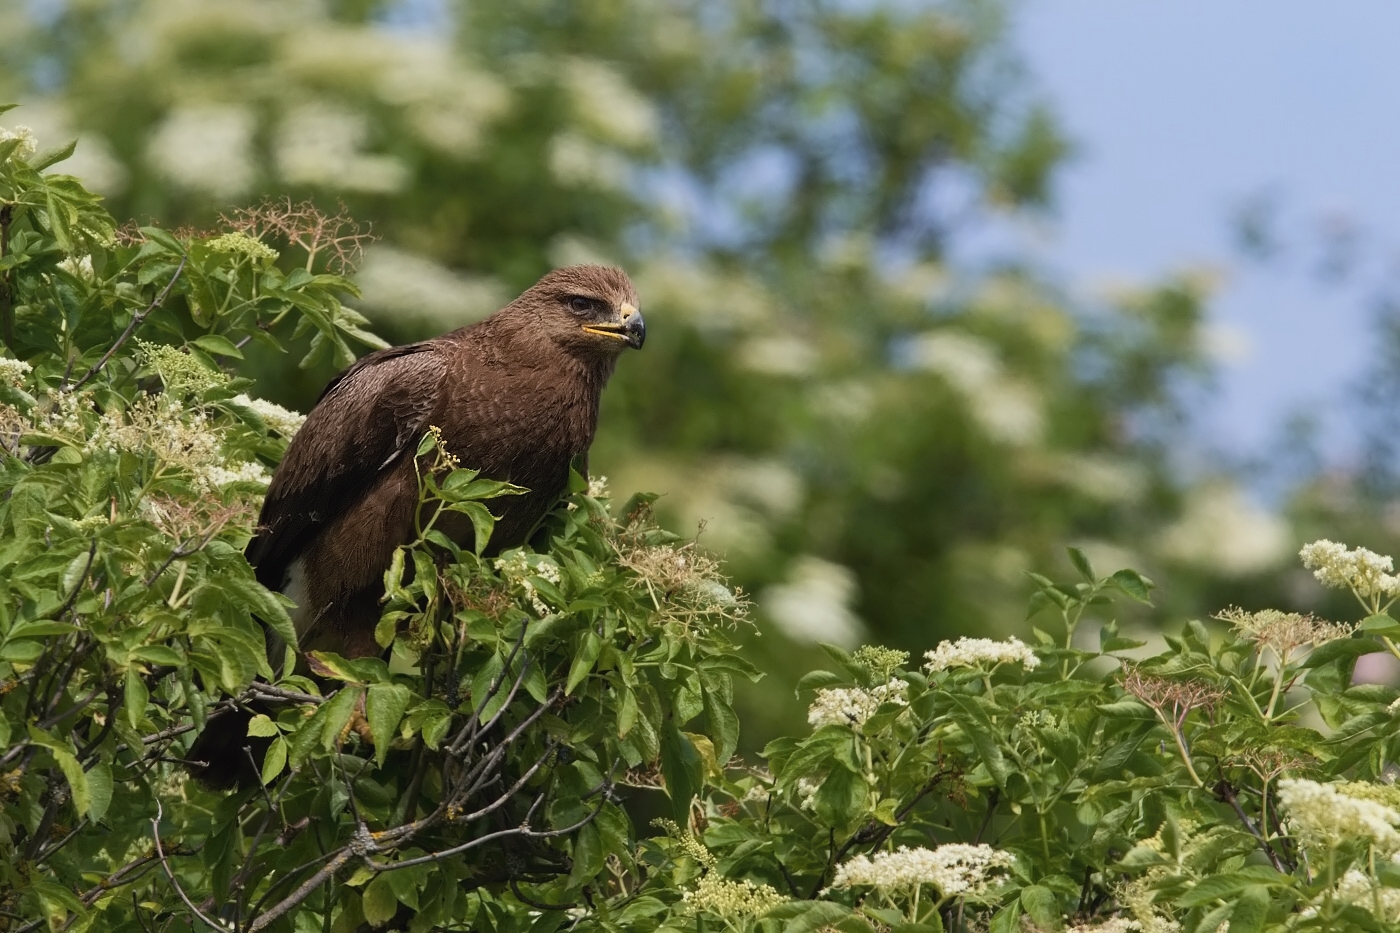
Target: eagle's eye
580, 305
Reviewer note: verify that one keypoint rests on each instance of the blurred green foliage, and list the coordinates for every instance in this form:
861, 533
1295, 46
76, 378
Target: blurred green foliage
877, 438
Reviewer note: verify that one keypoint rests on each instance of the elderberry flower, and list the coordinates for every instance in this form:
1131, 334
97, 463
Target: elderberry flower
14, 371
1331, 815
28, 145
1116, 925
956, 869
973, 652
1367, 573
214, 475
279, 419
80, 267
518, 567
852, 706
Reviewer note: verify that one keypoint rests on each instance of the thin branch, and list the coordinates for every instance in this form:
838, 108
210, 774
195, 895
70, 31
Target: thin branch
165, 865
7, 299
135, 322
1224, 791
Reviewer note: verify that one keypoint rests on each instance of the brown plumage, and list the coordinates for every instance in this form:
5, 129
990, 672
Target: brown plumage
516, 397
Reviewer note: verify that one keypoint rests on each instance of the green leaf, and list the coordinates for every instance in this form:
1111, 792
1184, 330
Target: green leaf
217, 345
99, 783
980, 731
53, 156
724, 724
1081, 563
810, 916
683, 769
1251, 910
384, 708
1134, 585
275, 760
583, 662
335, 714
262, 726
841, 797
1343, 649
1039, 904
379, 902
262, 603
67, 761
136, 698
816, 679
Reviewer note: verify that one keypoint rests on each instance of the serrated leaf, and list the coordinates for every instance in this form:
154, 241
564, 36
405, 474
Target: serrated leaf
816, 679
275, 760
1134, 585
135, 698
218, 345
379, 902
262, 726
583, 661
1039, 904
1080, 560
53, 156
384, 708
683, 770
99, 783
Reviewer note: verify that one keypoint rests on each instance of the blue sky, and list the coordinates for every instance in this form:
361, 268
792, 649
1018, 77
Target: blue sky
1183, 112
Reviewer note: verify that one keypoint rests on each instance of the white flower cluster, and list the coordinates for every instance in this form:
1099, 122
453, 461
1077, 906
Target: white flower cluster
1357, 888
807, 793
1369, 574
1329, 815
598, 487
14, 371
159, 425
852, 706
735, 901
973, 652
1116, 925
80, 267
956, 869
28, 145
279, 419
215, 475
517, 568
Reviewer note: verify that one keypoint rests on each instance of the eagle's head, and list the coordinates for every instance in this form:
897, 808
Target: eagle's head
589, 311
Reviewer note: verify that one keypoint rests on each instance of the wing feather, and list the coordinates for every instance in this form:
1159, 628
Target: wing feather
367, 418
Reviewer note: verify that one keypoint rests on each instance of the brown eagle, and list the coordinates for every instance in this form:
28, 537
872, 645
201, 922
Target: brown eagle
516, 397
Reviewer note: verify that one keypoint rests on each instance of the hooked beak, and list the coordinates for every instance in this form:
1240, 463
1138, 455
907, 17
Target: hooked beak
629, 328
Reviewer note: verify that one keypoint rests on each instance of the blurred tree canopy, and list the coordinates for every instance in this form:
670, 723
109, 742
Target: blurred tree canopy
875, 437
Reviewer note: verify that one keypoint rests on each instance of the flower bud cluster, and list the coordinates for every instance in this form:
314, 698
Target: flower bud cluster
243, 245
735, 901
